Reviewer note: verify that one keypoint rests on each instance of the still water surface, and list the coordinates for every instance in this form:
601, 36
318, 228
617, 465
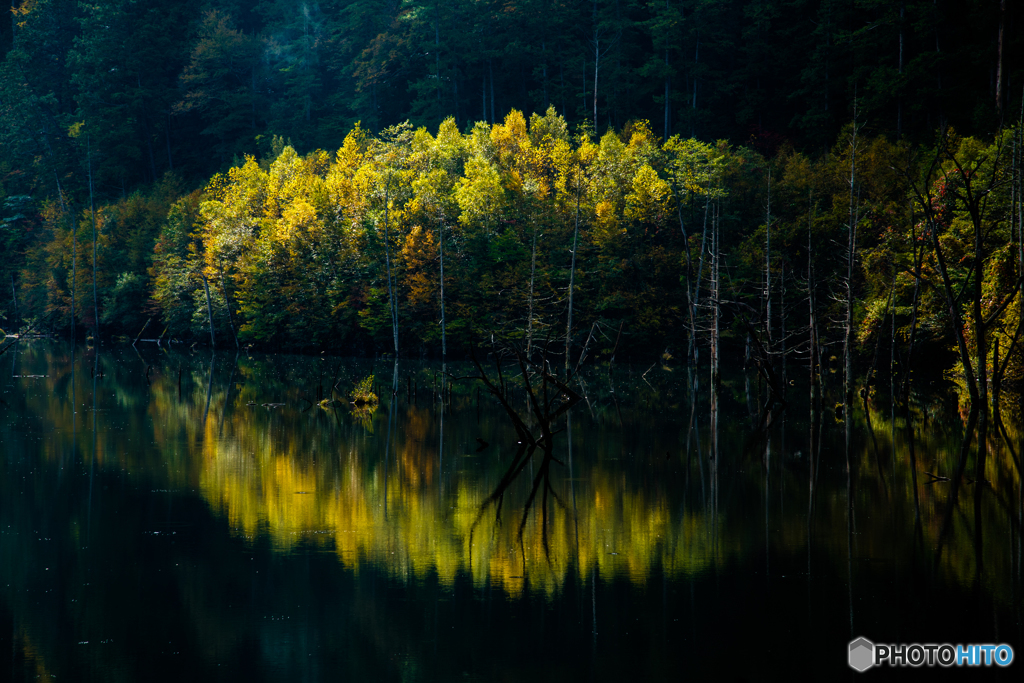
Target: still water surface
169, 516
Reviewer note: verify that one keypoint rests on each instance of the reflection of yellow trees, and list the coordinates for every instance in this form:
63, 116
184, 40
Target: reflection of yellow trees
302, 475
33, 655
400, 514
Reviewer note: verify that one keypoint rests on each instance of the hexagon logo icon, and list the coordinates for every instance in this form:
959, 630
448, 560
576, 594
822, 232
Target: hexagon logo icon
862, 654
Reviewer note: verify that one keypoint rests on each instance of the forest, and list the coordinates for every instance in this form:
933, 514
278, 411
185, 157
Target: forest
834, 182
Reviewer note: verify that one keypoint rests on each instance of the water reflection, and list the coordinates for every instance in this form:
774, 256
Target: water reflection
208, 493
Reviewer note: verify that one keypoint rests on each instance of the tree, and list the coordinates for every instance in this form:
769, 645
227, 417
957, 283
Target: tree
220, 83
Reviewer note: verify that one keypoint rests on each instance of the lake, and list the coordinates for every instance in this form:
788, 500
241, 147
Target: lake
170, 515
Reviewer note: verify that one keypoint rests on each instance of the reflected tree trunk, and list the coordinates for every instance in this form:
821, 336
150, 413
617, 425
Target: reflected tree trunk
957, 481
392, 409
209, 389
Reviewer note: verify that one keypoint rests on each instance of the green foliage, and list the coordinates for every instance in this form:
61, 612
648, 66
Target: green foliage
130, 106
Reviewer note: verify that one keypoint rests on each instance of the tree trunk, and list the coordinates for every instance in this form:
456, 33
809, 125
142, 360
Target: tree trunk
533, 272
209, 311
695, 352
691, 313
918, 256
999, 60
572, 274
768, 267
440, 251
850, 257
954, 313
227, 305
14, 296
437, 54
387, 260
812, 336
782, 322
92, 212
715, 307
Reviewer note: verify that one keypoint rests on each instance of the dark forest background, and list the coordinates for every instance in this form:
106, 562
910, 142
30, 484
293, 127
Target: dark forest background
123, 123
189, 86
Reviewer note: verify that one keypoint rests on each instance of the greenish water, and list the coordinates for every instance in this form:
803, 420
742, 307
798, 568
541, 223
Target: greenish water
159, 522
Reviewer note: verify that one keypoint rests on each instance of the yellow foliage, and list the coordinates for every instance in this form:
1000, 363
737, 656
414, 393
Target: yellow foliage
648, 200
419, 252
606, 228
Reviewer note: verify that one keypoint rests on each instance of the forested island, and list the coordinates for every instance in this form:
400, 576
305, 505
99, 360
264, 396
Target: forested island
835, 182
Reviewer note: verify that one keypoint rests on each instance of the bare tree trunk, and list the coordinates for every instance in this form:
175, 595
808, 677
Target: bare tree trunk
387, 260
782, 321
437, 52
209, 311
227, 305
440, 251
533, 272
918, 256
851, 255
695, 298
812, 334
690, 311
14, 295
954, 312
572, 273
92, 212
715, 307
768, 266
999, 60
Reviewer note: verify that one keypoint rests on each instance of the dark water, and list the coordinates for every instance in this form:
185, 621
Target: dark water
159, 523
